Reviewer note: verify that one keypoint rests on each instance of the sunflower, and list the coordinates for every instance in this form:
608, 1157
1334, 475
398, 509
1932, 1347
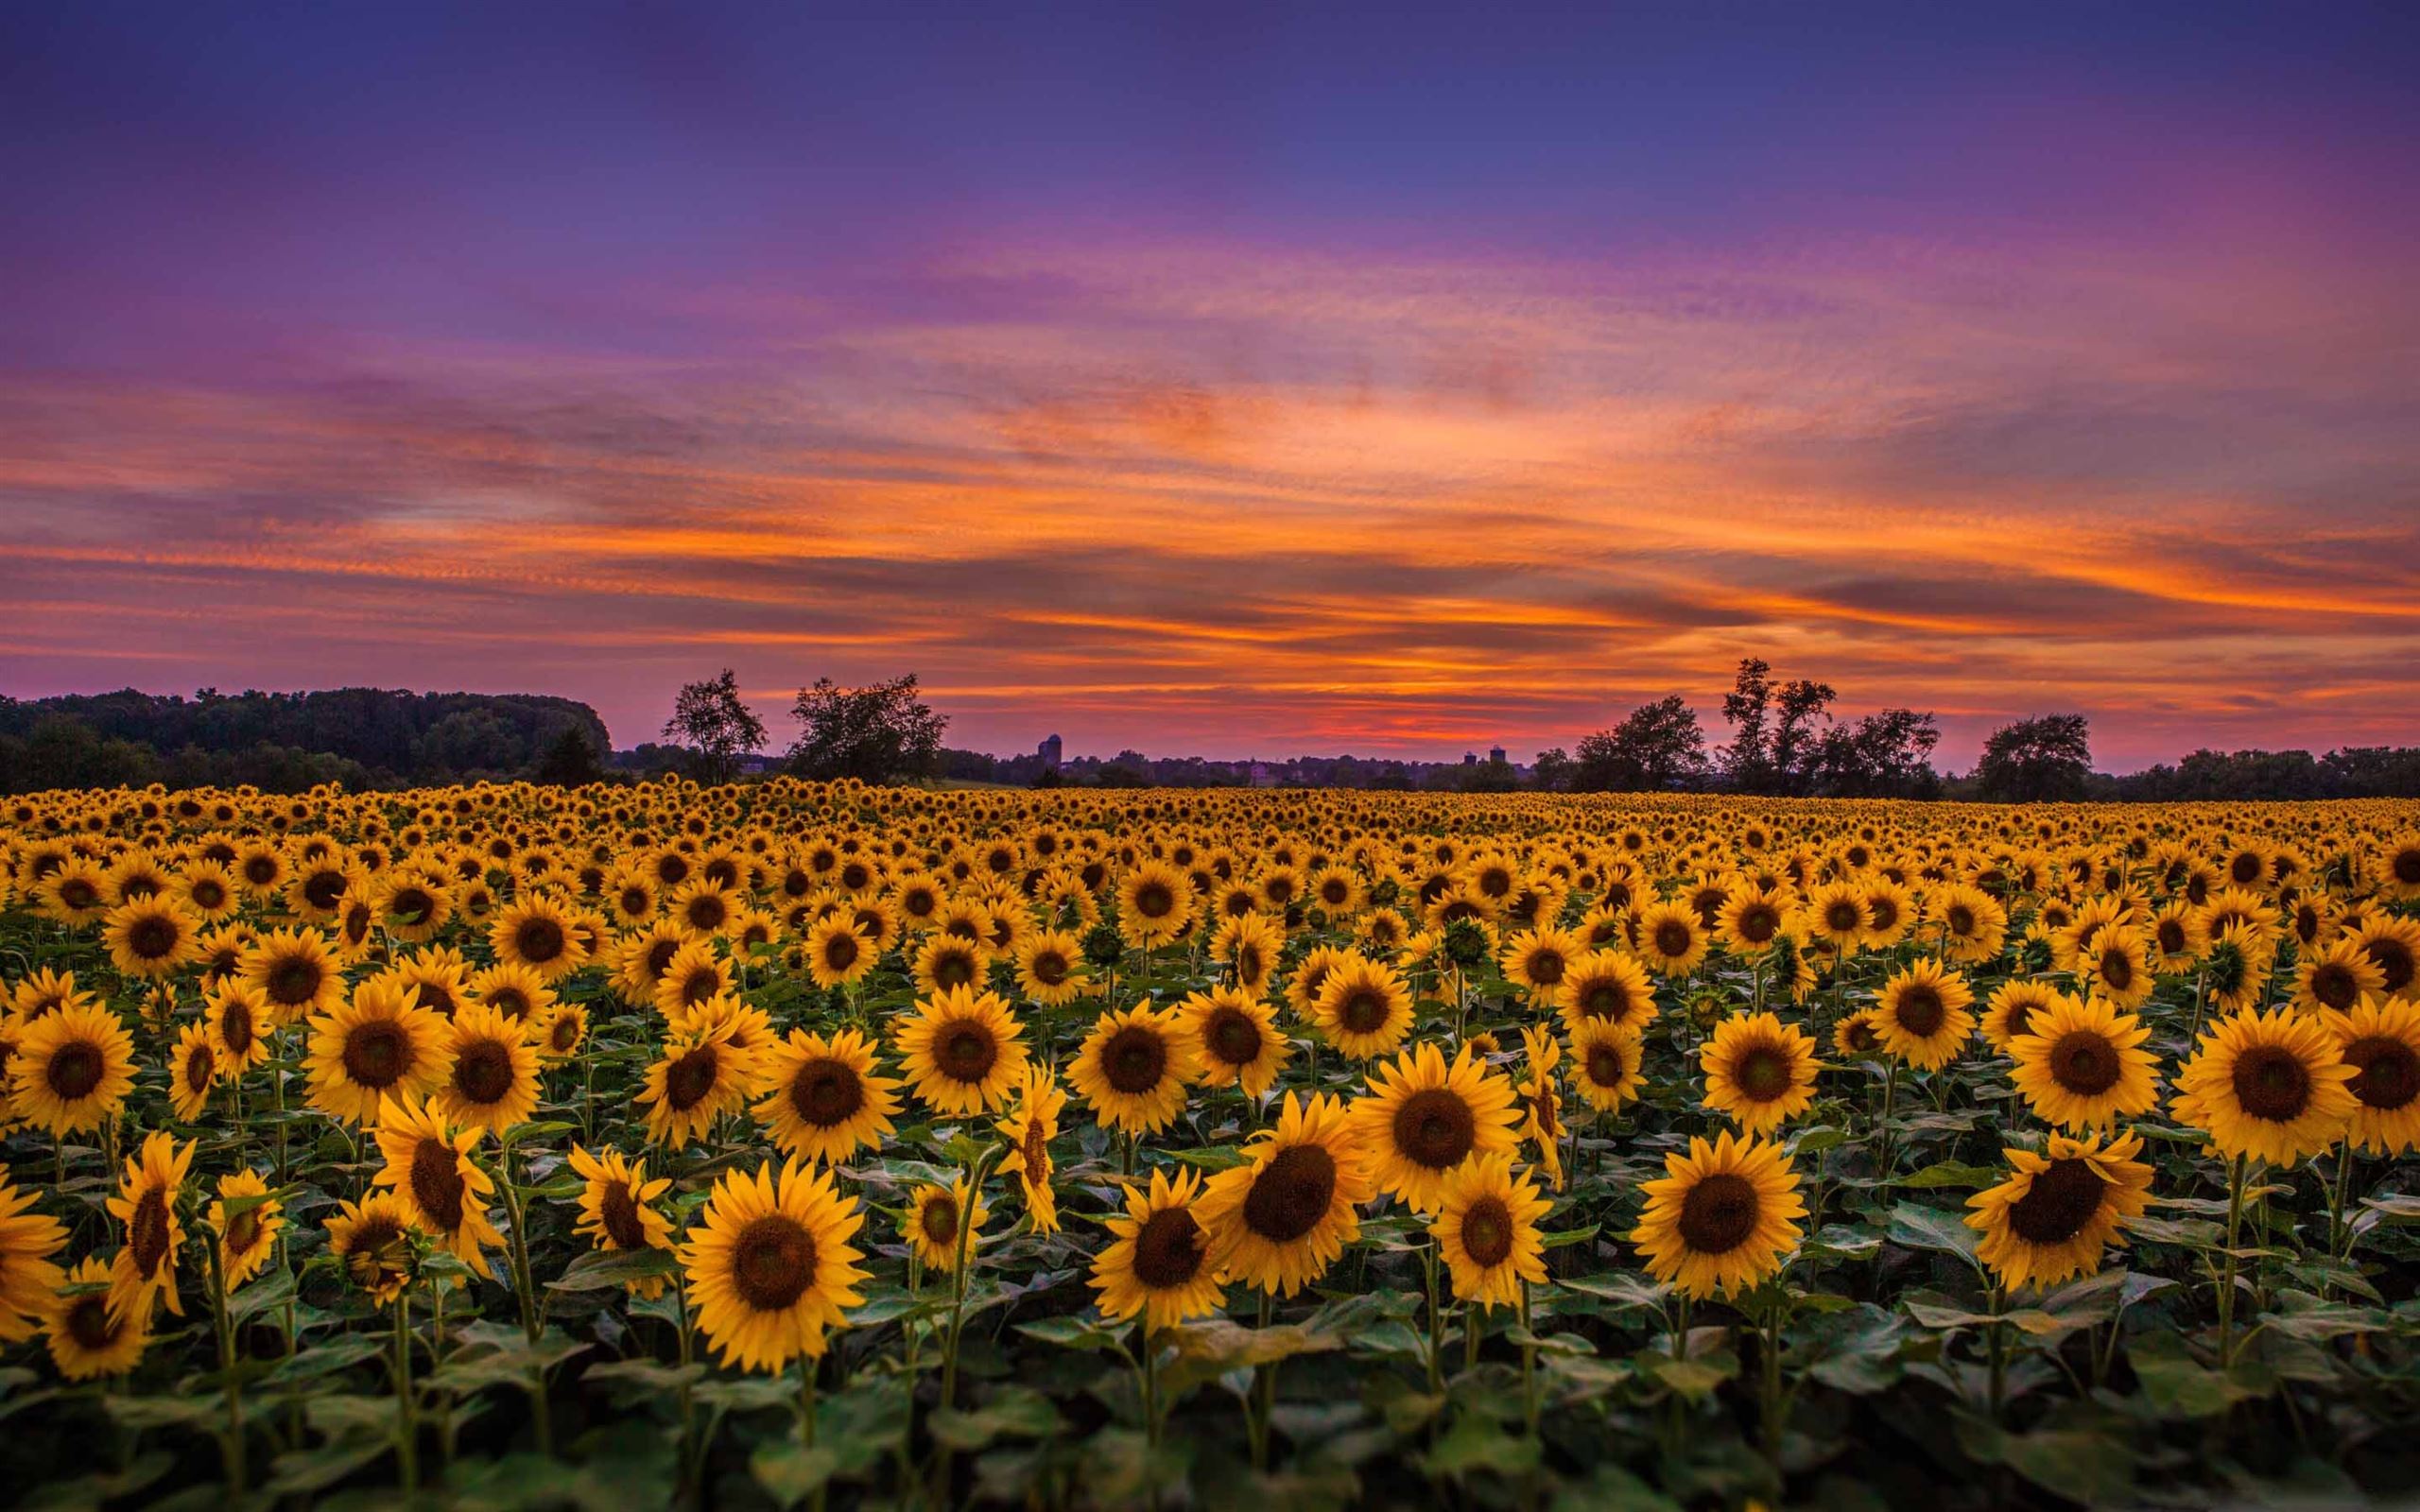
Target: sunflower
2335, 976
1751, 917
145, 1268
1248, 946
769, 1265
1721, 1218
2059, 1210
937, 1225
1134, 1067
411, 905
245, 1220
2081, 1065
2235, 973
207, 888
1028, 1128
1607, 1056
73, 1070
517, 991
193, 1072
2399, 867
642, 958
1671, 938
75, 895
2010, 1009
1154, 903
494, 1083
86, 1336
371, 1241
1487, 1228
949, 963
616, 1212
2380, 1041
536, 932
1836, 915
2179, 934
1281, 1219
1541, 1101
694, 975
295, 972
2115, 966
1889, 915
701, 1076
1759, 1071
151, 938
1238, 1038
824, 1102
428, 1163
1857, 1036
962, 1051
45, 991
1364, 1008
1050, 967
560, 1035
838, 954
1972, 924
1422, 1119
1924, 1015
1608, 987
1157, 1264
27, 1273
2267, 1084
379, 1043
238, 1018
1539, 961
2394, 945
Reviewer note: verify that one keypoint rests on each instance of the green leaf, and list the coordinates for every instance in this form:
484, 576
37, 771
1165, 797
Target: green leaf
2089, 1467
1951, 1174
600, 1268
1073, 1332
1016, 1412
791, 1472
1477, 1443
1916, 1227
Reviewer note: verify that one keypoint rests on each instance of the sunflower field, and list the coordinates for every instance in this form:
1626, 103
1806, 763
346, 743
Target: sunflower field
786, 1145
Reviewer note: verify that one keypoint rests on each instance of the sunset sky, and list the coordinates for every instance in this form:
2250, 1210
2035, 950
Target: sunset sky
1226, 381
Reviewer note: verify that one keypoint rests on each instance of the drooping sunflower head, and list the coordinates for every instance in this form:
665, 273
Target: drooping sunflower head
145, 1268
617, 1208
238, 1018
246, 1221
86, 1337
193, 1072
1158, 1263
1721, 1218
1134, 1067
372, 1243
429, 1166
2059, 1210
940, 1224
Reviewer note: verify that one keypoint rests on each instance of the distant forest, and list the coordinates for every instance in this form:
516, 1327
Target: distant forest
287, 742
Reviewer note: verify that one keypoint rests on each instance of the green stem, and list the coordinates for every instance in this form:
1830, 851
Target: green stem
236, 1434
2226, 1283
406, 1420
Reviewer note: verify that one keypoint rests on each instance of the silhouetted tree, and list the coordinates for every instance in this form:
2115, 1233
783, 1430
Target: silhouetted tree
875, 733
1886, 754
2036, 760
1552, 771
1656, 746
1748, 759
716, 725
570, 762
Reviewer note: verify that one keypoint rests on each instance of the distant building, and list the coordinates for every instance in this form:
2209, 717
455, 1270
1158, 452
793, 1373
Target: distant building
1049, 750
1470, 758
1496, 754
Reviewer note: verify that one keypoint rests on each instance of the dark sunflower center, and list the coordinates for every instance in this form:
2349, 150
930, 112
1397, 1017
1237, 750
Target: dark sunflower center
2171, 936
89, 1324
1960, 919
73, 1071
564, 1032
1605, 1000
689, 1079
1545, 968
236, 1026
1759, 922
436, 1183
2406, 865
699, 986
1153, 901
2272, 1084
1606, 1067
2394, 958
706, 912
1842, 917
2334, 985
1861, 1036
376, 1054
2060, 1200
617, 1213
483, 1072
826, 1094
294, 980
953, 968
146, 1231
152, 937
2386, 1071
325, 888
1233, 1036
412, 904
1134, 1060
1487, 1230
1435, 1129
840, 951
1920, 1010
1168, 1249
940, 1218
243, 1231
539, 940
1049, 967
772, 1263
509, 1000
635, 901
1763, 1073
1720, 1214
2084, 1063
1290, 1194
1672, 938
966, 1052
199, 1069
1363, 1011
2117, 970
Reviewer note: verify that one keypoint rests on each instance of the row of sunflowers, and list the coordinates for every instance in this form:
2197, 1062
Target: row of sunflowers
761, 1144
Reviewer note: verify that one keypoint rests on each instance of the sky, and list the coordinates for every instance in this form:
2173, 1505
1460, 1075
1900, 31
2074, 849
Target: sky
1226, 380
